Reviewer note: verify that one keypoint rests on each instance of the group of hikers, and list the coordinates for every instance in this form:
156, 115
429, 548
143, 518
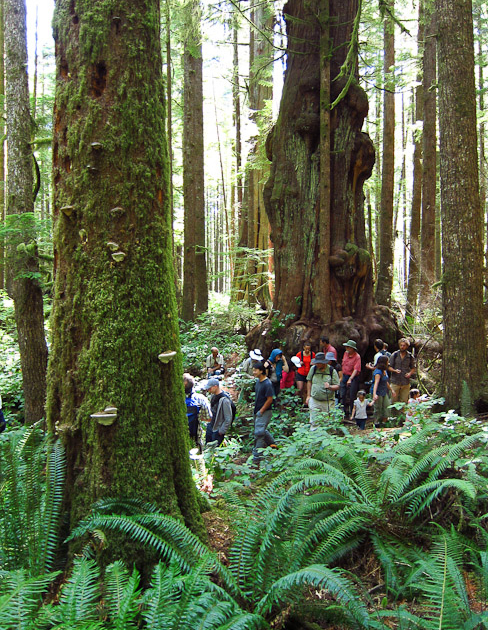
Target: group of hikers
322, 382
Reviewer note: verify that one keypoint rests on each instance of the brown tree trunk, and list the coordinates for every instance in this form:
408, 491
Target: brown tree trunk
195, 289
115, 309
482, 128
464, 356
414, 258
385, 269
2, 148
292, 194
23, 267
429, 154
252, 269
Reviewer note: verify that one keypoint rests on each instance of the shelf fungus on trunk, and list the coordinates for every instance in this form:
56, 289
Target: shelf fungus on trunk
105, 417
166, 357
118, 256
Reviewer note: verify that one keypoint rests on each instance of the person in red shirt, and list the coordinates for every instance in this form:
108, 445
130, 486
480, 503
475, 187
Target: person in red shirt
351, 369
326, 347
305, 356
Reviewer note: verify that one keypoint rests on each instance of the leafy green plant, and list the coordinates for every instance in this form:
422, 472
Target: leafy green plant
268, 582
32, 468
218, 329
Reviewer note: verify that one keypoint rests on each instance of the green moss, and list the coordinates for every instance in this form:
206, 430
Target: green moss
111, 319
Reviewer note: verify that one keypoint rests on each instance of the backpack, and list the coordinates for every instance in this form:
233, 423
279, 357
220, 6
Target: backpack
233, 405
192, 411
331, 370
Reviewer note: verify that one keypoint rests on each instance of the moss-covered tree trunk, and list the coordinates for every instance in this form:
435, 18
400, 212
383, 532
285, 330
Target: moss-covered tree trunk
293, 192
464, 357
114, 307
23, 267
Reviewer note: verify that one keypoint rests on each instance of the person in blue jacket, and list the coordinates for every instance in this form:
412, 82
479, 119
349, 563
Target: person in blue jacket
276, 365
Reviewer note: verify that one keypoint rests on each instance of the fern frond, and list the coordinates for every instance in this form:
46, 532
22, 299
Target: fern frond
122, 595
22, 598
320, 577
51, 508
79, 594
454, 452
421, 497
160, 597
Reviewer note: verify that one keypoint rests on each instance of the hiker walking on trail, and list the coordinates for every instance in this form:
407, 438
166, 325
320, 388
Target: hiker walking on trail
381, 391
305, 357
197, 410
262, 412
351, 369
276, 365
322, 383
402, 368
221, 406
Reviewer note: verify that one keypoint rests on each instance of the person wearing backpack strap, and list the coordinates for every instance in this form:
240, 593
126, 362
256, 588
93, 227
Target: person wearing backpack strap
197, 409
222, 413
322, 383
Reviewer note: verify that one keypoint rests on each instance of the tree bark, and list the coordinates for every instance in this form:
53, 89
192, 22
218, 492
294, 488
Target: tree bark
114, 307
385, 269
464, 356
23, 268
2, 148
292, 194
429, 155
195, 289
252, 268
414, 258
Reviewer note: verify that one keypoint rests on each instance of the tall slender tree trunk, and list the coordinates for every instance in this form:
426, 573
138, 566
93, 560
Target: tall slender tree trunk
115, 308
23, 268
464, 356
2, 148
252, 272
482, 129
429, 155
195, 289
414, 258
385, 271
236, 97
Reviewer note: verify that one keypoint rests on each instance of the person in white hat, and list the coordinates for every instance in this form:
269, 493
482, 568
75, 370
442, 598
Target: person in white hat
255, 356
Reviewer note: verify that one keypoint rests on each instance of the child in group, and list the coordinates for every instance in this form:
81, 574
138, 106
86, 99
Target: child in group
412, 413
359, 412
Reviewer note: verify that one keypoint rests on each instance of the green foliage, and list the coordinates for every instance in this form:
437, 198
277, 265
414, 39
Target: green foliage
269, 580
278, 324
32, 469
218, 328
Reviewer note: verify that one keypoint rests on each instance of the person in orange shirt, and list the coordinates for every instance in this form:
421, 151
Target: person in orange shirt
305, 356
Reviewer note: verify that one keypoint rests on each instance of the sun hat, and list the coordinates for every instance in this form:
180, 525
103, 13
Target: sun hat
256, 354
330, 356
296, 361
351, 344
319, 358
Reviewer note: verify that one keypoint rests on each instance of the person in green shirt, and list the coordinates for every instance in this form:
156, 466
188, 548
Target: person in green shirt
322, 383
